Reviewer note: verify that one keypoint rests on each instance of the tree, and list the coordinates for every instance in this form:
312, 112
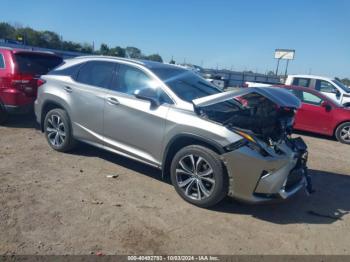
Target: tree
51, 39
104, 49
346, 81
117, 51
154, 57
270, 73
7, 31
86, 48
133, 52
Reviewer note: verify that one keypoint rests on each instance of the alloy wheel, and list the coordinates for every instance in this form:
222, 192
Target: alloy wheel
195, 177
55, 130
345, 133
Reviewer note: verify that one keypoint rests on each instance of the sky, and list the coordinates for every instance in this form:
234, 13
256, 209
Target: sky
231, 34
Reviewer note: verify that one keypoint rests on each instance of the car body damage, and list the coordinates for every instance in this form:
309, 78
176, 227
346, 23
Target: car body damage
264, 118
267, 113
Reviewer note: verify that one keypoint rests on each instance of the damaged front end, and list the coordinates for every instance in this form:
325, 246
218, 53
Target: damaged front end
267, 163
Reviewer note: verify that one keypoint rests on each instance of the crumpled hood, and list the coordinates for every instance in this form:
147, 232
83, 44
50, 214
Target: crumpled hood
277, 95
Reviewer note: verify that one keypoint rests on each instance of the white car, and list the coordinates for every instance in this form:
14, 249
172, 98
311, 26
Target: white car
330, 87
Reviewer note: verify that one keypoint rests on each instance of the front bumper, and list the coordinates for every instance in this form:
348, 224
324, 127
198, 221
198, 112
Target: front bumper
255, 178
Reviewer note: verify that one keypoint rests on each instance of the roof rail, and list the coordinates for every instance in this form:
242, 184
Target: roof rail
111, 57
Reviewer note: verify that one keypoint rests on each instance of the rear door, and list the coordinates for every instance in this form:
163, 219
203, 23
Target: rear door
131, 125
312, 116
87, 95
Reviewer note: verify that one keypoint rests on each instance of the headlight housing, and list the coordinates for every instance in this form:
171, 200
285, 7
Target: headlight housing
249, 141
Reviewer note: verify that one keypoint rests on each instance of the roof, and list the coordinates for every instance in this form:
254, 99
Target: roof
313, 77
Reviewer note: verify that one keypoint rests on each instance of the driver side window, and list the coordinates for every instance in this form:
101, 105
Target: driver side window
311, 99
131, 79
325, 86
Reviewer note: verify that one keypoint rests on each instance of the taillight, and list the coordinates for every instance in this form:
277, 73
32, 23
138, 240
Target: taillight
40, 82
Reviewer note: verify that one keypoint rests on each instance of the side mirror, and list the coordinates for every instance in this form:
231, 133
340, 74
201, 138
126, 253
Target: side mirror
327, 106
148, 94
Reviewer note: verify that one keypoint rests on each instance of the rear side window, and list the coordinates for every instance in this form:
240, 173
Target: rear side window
97, 73
69, 71
305, 82
36, 64
2, 62
325, 86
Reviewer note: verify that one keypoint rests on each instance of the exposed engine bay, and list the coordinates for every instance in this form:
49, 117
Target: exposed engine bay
255, 113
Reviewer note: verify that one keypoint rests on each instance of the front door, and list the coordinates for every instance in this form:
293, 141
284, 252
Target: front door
133, 126
312, 116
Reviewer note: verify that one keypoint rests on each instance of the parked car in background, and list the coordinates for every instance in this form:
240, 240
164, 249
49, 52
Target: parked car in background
19, 78
320, 114
331, 87
173, 119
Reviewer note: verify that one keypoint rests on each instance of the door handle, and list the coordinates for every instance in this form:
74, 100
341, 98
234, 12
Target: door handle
113, 101
68, 89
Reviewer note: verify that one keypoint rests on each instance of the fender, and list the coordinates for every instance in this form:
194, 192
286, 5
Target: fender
219, 148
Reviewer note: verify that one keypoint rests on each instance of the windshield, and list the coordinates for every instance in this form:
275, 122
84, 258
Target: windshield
185, 84
342, 86
37, 64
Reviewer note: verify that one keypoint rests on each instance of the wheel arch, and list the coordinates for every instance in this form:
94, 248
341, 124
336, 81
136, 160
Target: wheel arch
181, 140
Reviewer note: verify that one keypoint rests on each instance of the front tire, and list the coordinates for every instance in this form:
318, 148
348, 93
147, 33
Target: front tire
342, 133
198, 176
58, 130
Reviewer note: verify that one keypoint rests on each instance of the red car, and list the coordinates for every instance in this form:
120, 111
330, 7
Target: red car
19, 74
320, 114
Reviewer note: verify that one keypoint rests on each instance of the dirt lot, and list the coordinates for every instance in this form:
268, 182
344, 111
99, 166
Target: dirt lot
54, 203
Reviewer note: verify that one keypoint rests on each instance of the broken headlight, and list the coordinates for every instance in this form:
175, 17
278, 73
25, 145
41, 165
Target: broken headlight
248, 141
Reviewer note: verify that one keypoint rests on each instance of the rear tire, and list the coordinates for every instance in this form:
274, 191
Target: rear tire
58, 132
198, 176
342, 133
3, 114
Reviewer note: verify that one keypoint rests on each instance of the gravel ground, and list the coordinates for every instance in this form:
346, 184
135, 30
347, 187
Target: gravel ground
54, 203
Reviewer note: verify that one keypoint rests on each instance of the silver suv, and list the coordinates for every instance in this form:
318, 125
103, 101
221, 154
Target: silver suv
211, 143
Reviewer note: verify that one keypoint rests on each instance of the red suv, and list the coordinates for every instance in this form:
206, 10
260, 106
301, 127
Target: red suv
20, 70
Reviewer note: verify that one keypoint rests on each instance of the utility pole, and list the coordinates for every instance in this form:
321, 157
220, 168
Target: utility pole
285, 73
278, 64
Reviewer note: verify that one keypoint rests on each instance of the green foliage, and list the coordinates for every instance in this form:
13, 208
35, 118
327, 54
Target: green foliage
155, 57
49, 39
104, 49
346, 81
7, 31
133, 52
